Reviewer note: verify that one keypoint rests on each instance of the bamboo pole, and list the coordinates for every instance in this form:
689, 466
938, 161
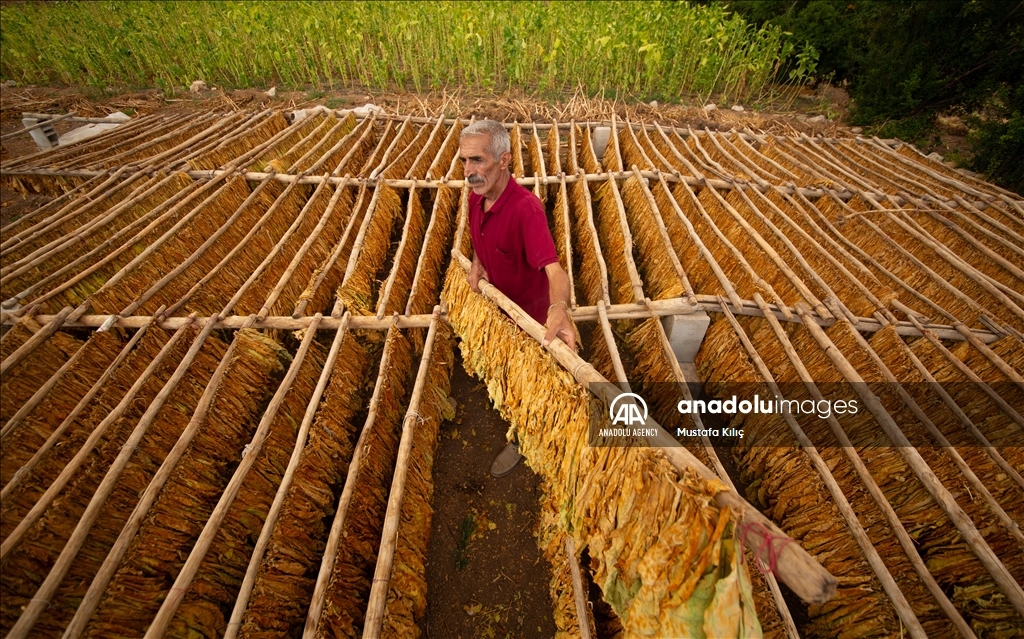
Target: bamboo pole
737, 255
751, 173
1014, 235
380, 166
1011, 589
377, 599
663, 233
62, 214
199, 137
249, 581
966, 370
300, 307
127, 130
428, 237
37, 125
973, 304
210, 241
341, 513
69, 470
255, 176
898, 282
41, 600
972, 479
904, 219
316, 147
183, 581
104, 161
99, 584
32, 343
920, 166
794, 565
301, 253
871, 555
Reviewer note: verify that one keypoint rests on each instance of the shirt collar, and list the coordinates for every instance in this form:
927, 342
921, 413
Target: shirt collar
505, 196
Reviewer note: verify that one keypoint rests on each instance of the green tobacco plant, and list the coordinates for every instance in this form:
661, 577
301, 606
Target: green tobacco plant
657, 49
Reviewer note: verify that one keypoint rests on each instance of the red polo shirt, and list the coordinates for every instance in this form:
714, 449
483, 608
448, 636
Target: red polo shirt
513, 243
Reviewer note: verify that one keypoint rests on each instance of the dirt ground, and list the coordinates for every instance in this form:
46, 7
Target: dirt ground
486, 576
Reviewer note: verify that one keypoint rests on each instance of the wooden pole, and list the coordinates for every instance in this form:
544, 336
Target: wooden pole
8, 136
871, 555
794, 566
41, 600
73, 415
323, 578
32, 343
157, 215
392, 519
1011, 589
249, 581
966, 370
183, 581
578, 590
113, 559
90, 443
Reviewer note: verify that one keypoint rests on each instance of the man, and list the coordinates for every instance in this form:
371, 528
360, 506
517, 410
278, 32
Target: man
512, 246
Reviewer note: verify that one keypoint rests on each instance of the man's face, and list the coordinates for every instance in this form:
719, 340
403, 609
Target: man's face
482, 171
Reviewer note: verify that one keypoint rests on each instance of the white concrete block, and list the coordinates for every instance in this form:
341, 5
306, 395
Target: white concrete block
686, 333
601, 136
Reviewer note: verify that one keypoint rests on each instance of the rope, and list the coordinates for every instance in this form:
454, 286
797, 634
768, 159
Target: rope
767, 544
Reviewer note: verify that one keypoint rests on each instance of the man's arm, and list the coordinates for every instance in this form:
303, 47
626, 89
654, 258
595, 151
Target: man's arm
559, 325
477, 271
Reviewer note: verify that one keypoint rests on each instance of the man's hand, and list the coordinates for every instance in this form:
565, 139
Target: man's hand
476, 273
560, 326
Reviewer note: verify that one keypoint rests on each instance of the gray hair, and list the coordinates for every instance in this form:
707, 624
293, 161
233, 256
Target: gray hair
499, 136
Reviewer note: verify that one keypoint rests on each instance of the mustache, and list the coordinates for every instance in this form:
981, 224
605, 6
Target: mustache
475, 179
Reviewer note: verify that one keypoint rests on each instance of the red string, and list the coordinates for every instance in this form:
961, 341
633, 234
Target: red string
767, 544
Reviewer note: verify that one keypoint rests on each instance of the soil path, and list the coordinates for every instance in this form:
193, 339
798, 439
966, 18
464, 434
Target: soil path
486, 577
